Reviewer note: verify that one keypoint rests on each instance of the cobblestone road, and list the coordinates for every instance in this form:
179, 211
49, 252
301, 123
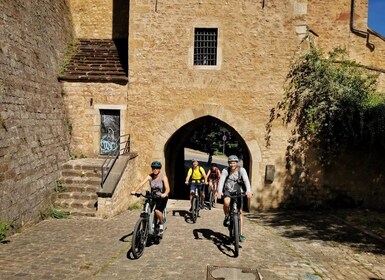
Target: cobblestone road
293, 245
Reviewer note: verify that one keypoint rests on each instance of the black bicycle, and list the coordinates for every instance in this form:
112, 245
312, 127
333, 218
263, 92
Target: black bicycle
212, 194
146, 228
195, 205
235, 220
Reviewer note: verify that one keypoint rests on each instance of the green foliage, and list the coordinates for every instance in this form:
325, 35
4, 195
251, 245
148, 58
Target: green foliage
59, 186
69, 52
208, 138
333, 104
57, 214
4, 227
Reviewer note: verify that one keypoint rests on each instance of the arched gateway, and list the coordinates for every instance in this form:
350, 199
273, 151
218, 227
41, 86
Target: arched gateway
169, 146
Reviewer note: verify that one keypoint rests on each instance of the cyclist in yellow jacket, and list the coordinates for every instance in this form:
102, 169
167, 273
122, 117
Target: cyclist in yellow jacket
197, 175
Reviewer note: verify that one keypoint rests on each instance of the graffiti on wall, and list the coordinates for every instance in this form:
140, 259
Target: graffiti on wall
109, 131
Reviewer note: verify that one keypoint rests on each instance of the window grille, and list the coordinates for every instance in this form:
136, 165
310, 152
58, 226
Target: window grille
205, 46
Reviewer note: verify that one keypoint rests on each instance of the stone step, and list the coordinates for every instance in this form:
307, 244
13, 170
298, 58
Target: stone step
84, 164
82, 213
79, 212
77, 195
81, 188
72, 204
81, 173
81, 181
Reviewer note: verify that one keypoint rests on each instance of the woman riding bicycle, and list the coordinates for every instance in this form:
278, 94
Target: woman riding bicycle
213, 177
159, 186
231, 181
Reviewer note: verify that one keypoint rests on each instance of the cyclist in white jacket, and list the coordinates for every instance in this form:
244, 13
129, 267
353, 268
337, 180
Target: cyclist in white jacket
233, 179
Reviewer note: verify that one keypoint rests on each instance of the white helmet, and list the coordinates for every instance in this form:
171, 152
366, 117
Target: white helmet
233, 158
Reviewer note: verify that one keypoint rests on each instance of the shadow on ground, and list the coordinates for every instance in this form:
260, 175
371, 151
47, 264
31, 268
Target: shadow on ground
319, 225
220, 240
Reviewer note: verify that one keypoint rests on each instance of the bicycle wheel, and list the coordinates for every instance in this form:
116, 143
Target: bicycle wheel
236, 235
139, 238
194, 213
211, 199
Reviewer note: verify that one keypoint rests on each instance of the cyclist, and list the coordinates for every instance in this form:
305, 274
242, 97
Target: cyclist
213, 176
198, 177
232, 180
159, 186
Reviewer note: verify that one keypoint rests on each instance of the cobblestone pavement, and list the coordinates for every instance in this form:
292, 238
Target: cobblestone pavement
291, 245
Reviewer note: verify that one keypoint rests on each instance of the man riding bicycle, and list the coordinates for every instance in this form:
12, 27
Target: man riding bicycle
196, 177
213, 178
232, 180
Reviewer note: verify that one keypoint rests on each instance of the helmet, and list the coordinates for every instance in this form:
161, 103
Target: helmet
233, 158
156, 164
194, 160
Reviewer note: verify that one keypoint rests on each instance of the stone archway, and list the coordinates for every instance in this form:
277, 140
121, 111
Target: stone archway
173, 132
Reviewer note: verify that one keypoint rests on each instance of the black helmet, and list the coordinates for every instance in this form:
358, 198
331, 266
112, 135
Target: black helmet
156, 165
233, 158
194, 160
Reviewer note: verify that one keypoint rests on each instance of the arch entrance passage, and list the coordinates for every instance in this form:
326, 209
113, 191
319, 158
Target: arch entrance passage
174, 153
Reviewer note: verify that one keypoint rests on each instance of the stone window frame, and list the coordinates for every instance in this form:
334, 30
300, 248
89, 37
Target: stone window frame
97, 121
219, 47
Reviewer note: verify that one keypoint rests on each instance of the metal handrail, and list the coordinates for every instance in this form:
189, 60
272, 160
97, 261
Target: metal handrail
114, 155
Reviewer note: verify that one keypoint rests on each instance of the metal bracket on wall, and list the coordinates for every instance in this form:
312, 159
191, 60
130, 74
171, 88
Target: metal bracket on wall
361, 33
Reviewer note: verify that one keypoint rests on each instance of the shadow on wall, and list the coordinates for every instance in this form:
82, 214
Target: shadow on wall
355, 179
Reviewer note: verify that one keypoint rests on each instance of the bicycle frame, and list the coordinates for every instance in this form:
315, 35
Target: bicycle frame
145, 226
195, 204
235, 227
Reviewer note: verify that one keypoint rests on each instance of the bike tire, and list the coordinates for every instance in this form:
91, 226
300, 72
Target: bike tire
194, 210
210, 200
236, 235
139, 238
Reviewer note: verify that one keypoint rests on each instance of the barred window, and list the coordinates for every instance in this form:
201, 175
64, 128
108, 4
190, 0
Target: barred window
205, 46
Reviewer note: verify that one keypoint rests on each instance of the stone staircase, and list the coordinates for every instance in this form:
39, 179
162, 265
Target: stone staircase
80, 183
98, 60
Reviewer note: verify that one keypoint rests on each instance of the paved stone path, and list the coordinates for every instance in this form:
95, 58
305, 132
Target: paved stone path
292, 245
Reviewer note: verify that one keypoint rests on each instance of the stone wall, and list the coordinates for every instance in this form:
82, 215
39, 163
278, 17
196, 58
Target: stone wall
121, 198
92, 18
33, 132
256, 44
83, 102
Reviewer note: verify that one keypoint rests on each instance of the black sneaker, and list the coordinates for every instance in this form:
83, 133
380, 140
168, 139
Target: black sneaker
226, 221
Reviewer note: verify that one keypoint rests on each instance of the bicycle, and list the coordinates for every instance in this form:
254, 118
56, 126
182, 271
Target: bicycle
195, 205
146, 227
212, 194
235, 226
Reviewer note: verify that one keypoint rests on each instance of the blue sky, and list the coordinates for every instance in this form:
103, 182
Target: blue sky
376, 16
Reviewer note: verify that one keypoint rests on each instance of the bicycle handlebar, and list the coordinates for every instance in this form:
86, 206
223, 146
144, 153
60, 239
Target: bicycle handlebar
147, 195
237, 195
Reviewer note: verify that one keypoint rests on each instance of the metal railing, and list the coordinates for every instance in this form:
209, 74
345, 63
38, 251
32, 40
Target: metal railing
123, 148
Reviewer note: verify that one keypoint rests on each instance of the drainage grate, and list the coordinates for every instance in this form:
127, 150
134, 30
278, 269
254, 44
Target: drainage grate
231, 273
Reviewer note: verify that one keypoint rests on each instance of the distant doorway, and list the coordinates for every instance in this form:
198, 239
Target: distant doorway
109, 131
177, 165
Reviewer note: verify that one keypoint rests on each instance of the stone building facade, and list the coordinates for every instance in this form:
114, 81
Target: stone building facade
168, 94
